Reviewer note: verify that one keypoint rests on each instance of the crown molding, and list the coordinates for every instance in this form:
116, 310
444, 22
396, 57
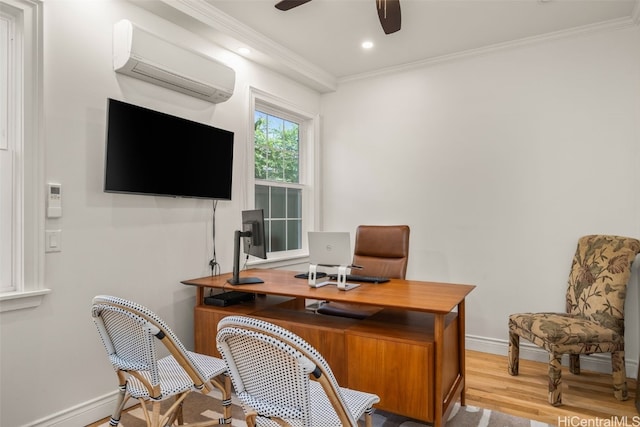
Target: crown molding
275, 56
280, 59
611, 25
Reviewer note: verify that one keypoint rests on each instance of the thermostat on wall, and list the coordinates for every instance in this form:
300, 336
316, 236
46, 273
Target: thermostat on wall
54, 200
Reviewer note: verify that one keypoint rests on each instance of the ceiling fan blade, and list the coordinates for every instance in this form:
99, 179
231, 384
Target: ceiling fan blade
389, 14
290, 4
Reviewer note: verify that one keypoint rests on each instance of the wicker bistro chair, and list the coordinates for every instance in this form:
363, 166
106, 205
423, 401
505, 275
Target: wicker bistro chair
594, 319
270, 369
130, 334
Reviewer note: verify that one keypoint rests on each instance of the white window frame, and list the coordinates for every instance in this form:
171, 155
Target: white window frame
24, 192
308, 167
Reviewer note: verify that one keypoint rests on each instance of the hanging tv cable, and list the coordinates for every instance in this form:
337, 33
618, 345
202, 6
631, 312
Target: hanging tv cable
213, 263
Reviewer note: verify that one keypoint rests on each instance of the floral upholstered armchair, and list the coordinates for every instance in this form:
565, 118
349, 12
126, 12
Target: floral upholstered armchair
594, 320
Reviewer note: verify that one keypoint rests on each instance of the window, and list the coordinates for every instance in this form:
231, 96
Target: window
283, 174
21, 155
276, 170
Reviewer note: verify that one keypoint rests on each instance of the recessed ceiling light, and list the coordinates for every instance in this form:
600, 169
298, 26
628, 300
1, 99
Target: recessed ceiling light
244, 51
367, 44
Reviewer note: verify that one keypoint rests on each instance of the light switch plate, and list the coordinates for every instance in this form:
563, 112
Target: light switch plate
53, 240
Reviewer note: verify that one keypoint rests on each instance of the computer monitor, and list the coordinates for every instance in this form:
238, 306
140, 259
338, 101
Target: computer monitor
254, 243
253, 226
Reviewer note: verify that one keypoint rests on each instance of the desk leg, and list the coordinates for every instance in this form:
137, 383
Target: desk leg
462, 346
445, 398
439, 368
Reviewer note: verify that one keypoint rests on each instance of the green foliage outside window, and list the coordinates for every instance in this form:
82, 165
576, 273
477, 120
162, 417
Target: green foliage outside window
276, 149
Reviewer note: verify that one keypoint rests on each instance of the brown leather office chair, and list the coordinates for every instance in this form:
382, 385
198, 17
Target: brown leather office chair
381, 251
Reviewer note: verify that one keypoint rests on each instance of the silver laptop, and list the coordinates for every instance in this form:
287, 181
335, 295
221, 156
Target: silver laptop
330, 248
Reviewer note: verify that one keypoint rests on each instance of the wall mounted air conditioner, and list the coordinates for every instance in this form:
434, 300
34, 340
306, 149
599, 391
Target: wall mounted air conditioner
145, 56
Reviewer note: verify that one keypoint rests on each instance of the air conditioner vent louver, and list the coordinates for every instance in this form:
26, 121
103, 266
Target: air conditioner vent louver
140, 54
166, 78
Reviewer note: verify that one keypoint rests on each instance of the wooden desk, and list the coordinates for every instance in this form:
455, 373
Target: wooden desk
410, 352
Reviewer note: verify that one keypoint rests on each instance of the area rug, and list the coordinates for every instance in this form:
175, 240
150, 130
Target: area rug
198, 407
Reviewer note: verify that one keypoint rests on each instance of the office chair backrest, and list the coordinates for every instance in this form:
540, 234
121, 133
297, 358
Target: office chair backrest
598, 280
382, 250
129, 331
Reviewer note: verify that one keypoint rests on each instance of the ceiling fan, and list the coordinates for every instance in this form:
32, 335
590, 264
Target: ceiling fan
388, 12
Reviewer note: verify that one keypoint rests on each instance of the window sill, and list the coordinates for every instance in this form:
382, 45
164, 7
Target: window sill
282, 262
10, 301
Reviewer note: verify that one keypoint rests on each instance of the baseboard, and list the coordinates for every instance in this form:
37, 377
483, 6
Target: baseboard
595, 362
82, 414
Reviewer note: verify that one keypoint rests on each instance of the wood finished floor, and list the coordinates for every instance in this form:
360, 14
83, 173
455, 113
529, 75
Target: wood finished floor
588, 396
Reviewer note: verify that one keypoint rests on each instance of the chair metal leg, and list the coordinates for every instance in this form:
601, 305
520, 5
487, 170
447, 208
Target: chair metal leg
619, 375
574, 364
555, 379
514, 353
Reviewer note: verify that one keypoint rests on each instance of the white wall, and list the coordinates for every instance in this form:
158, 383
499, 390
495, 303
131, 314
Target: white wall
498, 163
137, 247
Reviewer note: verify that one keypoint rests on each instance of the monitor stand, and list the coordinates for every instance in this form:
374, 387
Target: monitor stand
245, 281
235, 279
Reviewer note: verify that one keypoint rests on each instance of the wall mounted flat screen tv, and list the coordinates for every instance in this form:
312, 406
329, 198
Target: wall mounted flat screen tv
149, 152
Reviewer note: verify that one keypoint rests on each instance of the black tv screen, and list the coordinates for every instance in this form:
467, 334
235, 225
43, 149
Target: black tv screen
149, 152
